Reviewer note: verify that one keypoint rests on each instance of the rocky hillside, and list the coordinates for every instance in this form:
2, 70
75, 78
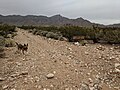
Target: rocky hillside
56, 20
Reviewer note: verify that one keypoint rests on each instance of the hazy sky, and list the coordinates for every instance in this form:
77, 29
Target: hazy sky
100, 11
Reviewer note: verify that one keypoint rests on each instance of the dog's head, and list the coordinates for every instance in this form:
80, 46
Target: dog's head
25, 47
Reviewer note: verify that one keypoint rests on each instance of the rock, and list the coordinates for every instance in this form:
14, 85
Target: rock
5, 86
117, 67
85, 86
50, 76
96, 87
90, 80
112, 57
24, 73
63, 39
77, 43
111, 49
101, 48
86, 53
117, 47
18, 63
70, 49
2, 79
54, 72
15, 75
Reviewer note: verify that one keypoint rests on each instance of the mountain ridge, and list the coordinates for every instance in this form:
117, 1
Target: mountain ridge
56, 20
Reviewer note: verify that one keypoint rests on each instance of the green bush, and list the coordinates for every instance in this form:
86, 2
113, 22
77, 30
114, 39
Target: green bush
9, 43
2, 41
107, 34
6, 29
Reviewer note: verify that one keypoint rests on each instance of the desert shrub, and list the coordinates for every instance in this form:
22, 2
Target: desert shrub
2, 41
14, 34
53, 35
50, 35
43, 33
34, 31
6, 29
9, 43
112, 36
107, 34
26, 27
2, 54
1, 49
39, 32
30, 30
83, 42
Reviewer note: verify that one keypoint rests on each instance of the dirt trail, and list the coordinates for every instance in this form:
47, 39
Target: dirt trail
73, 67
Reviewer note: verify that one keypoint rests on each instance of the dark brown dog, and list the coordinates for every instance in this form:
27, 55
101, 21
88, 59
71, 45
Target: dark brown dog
22, 47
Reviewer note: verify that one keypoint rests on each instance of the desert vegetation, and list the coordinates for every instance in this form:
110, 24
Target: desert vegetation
6, 34
108, 35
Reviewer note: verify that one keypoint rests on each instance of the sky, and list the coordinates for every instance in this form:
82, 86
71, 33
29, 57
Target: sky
98, 11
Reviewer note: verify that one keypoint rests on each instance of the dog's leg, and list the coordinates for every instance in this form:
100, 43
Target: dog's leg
23, 52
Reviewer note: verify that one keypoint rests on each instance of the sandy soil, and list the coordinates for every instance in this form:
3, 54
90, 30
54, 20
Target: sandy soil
58, 65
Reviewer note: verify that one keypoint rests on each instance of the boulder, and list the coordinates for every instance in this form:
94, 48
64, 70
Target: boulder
50, 76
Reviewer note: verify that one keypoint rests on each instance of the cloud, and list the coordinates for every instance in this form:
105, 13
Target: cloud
103, 11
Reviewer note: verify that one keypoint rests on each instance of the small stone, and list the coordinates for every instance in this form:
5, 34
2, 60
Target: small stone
97, 87
85, 86
18, 63
5, 87
90, 80
112, 57
50, 76
54, 72
101, 48
88, 74
77, 43
117, 67
51, 86
24, 73
14, 75
70, 49
111, 48
2, 79
86, 53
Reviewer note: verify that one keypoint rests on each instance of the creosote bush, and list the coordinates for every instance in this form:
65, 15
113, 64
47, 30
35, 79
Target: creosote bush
7, 32
109, 35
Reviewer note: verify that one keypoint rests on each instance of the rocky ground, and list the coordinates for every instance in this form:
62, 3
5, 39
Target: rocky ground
58, 65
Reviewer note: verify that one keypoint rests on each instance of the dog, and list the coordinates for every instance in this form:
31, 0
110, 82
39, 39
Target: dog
22, 47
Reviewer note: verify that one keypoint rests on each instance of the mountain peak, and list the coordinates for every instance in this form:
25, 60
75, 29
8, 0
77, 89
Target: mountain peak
57, 15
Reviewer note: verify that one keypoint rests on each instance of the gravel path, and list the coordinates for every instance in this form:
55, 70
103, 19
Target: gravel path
58, 65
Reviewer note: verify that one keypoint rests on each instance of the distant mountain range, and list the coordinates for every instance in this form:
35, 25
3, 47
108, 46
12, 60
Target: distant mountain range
115, 25
56, 20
